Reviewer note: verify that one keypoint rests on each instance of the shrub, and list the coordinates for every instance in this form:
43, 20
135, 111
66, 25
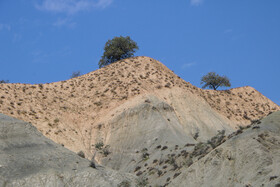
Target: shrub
142, 182
196, 135
99, 145
75, 74
200, 149
124, 183
217, 140
81, 154
4, 81
56, 120
106, 151
92, 164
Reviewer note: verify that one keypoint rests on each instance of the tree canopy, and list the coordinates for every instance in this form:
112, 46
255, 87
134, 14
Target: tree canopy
116, 49
213, 81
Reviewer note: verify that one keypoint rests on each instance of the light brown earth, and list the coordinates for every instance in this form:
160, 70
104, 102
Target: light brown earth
152, 123
77, 112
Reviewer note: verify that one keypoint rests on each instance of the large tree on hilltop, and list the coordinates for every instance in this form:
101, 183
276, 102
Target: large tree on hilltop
213, 81
116, 49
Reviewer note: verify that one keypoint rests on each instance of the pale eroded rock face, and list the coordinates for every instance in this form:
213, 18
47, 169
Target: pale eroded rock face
152, 123
27, 158
251, 158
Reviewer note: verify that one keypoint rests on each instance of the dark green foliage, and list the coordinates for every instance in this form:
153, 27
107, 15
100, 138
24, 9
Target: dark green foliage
75, 74
116, 49
213, 81
4, 81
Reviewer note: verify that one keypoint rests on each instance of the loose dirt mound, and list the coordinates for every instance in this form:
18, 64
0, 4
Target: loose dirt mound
78, 112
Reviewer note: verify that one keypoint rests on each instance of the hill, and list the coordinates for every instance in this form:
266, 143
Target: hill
81, 112
135, 114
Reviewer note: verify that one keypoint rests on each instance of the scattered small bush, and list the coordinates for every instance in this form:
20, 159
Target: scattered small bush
99, 145
217, 140
56, 120
81, 154
75, 74
124, 183
196, 135
142, 182
4, 81
92, 164
106, 151
164, 147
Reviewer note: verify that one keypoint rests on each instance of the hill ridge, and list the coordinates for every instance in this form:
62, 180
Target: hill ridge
75, 112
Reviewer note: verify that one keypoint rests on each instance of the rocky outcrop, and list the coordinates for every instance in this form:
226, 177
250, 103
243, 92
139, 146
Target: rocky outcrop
27, 158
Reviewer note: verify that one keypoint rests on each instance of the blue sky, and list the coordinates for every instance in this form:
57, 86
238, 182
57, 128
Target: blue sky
46, 40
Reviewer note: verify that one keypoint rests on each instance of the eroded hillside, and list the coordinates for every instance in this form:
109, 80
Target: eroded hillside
83, 111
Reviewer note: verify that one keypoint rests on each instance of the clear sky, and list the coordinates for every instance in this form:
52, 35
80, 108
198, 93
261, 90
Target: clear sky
46, 40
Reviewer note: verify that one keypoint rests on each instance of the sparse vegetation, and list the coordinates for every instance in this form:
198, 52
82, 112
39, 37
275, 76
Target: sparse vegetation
102, 148
81, 154
145, 154
196, 135
92, 164
75, 74
124, 183
106, 150
4, 81
99, 145
217, 140
56, 120
141, 182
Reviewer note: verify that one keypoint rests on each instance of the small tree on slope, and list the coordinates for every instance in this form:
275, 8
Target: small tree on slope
213, 81
116, 49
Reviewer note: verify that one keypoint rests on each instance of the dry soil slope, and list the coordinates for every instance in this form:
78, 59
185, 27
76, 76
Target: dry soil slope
251, 158
92, 108
27, 158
